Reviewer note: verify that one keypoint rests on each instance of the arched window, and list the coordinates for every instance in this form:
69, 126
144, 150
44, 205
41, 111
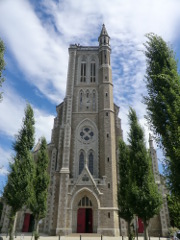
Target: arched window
90, 163
94, 101
105, 60
83, 72
85, 202
81, 100
88, 100
87, 94
93, 72
81, 162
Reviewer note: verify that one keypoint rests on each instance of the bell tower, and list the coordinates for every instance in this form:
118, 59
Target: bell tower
83, 188
107, 136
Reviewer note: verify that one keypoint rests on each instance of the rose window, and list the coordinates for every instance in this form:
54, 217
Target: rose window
86, 134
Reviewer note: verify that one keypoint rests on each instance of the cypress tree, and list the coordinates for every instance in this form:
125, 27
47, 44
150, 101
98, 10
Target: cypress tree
17, 191
38, 204
163, 104
124, 186
145, 199
174, 210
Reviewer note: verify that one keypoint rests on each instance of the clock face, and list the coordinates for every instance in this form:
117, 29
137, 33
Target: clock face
86, 134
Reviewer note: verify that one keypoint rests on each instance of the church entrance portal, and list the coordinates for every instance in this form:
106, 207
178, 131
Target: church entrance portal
28, 225
85, 220
84, 212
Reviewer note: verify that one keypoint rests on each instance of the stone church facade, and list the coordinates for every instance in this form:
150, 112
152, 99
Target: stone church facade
84, 146
84, 152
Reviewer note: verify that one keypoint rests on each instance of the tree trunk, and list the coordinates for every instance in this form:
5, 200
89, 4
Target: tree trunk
36, 225
130, 232
145, 229
12, 224
36, 229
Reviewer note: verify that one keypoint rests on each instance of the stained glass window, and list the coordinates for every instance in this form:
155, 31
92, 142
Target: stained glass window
81, 162
85, 202
86, 134
90, 165
94, 101
81, 99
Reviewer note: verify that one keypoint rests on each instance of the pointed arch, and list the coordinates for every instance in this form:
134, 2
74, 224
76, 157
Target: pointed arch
81, 161
89, 193
93, 71
86, 140
85, 202
81, 98
83, 58
87, 93
91, 161
94, 100
83, 69
93, 200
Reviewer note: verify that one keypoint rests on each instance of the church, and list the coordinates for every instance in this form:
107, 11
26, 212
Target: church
83, 153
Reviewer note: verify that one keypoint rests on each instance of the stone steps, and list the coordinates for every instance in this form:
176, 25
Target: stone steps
84, 235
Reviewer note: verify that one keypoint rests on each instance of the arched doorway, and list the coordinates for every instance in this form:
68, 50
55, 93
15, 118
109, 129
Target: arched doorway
85, 216
28, 224
84, 209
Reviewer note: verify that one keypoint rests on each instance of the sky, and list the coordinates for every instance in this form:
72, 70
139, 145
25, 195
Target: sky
37, 35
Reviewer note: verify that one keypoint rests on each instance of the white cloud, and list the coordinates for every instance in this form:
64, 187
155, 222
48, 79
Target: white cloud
37, 53
12, 113
44, 124
5, 158
124, 19
12, 109
41, 51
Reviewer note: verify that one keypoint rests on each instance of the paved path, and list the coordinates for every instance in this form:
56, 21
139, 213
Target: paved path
21, 236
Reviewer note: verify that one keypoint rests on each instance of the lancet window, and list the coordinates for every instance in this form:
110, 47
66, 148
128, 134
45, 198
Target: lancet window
94, 101
81, 162
91, 162
83, 72
81, 100
85, 202
93, 72
86, 148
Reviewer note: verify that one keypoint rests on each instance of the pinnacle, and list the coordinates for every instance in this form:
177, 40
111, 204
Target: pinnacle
104, 31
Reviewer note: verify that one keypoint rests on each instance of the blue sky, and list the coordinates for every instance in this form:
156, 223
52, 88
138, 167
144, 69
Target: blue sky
37, 35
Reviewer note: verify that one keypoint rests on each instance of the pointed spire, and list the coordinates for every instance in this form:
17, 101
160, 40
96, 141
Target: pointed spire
104, 31
104, 37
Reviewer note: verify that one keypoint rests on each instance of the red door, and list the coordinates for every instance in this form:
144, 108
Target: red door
81, 220
26, 222
89, 219
140, 226
84, 220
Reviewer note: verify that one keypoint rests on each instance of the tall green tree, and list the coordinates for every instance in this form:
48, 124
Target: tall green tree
18, 190
145, 199
38, 204
2, 64
174, 210
124, 186
1, 209
163, 103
